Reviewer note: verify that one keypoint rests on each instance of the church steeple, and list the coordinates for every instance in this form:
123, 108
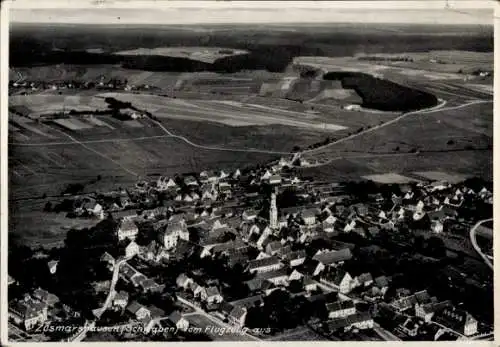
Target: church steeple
273, 211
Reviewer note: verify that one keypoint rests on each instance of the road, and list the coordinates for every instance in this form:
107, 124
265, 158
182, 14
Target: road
386, 335
199, 311
476, 246
116, 271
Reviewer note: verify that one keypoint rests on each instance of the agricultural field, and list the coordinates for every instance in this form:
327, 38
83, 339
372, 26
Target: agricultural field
465, 163
389, 178
203, 54
446, 130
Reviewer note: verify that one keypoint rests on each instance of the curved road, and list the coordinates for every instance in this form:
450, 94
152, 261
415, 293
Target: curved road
474, 242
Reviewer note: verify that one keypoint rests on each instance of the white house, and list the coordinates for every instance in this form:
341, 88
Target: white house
340, 309
127, 230
131, 250
309, 216
295, 276
213, 295
180, 322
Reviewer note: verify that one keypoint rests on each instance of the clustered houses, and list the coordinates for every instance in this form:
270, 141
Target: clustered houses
33, 310
221, 215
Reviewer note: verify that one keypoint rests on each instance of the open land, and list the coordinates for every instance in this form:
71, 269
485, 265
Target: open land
228, 120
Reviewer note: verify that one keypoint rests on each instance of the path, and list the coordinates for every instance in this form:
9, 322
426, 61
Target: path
383, 333
189, 142
474, 242
116, 271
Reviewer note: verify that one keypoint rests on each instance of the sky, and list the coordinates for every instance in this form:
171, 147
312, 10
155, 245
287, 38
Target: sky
220, 12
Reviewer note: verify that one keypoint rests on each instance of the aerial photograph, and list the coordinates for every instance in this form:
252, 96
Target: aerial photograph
245, 171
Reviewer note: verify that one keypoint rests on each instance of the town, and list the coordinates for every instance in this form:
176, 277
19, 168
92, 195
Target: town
262, 253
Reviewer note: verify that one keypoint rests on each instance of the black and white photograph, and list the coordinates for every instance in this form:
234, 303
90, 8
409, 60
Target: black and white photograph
258, 171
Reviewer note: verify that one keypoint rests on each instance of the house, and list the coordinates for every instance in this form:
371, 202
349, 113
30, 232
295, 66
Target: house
349, 226
238, 316
295, 276
360, 209
382, 283
148, 285
364, 280
295, 258
277, 277
282, 222
121, 299
223, 175
225, 190
408, 326
183, 281
251, 301
328, 227
333, 258
131, 250
178, 321
263, 238
437, 227
457, 320
40, 295
190, 181
340, 280
308, 216
275, 179
309, 284
127, 230
213, 295
273, 247
249, 215
27, 313
199, 291
137, 310
340, 309
172, 233
264, 264
52, 265
266, 176
360, 320
427, 311
153, 252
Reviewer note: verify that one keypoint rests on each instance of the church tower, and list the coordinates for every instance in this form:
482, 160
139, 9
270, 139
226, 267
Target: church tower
273, 211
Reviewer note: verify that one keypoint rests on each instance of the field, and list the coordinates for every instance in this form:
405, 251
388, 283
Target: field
389, 178
466, 163
203, 54
255, 113
441, 176
450, 130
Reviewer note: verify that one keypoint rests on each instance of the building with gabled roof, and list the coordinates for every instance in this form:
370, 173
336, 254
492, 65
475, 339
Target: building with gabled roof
341, 308
264, 264
127, 229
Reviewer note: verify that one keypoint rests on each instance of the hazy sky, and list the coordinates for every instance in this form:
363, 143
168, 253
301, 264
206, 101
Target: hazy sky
205, 12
